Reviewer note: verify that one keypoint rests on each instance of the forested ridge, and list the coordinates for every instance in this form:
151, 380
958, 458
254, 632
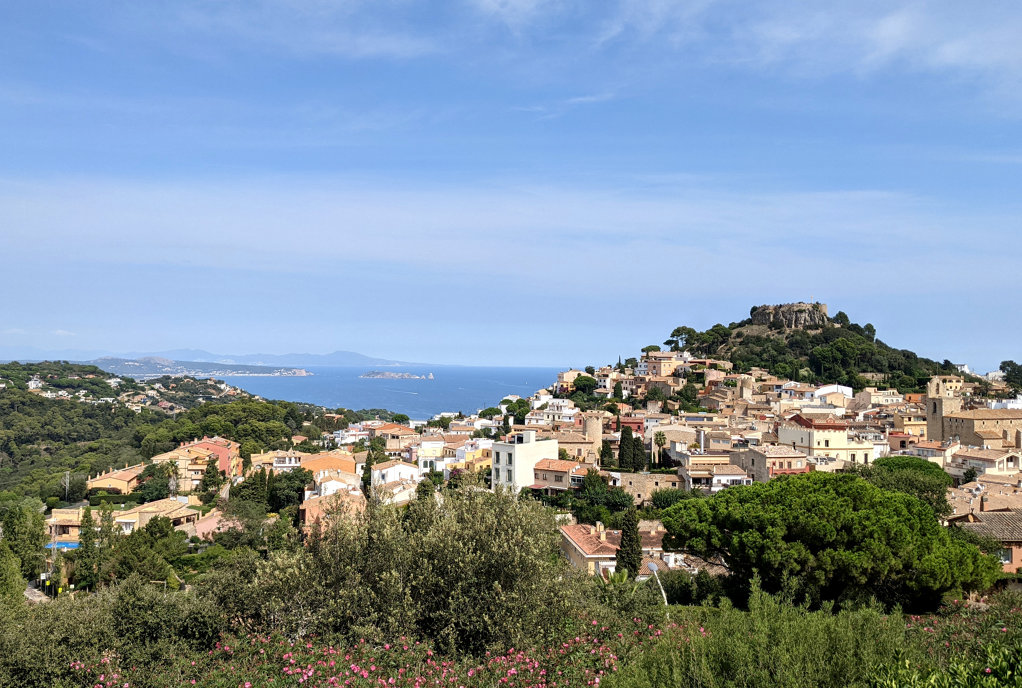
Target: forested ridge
839, 351
42, 438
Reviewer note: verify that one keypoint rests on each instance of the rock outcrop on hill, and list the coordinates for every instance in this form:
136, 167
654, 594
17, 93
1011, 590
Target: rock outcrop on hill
793, 316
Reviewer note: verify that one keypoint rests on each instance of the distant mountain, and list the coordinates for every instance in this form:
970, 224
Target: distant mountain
155, 366
337, 358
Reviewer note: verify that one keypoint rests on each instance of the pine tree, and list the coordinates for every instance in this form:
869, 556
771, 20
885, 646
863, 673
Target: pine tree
625, 449
86, 567
629, 554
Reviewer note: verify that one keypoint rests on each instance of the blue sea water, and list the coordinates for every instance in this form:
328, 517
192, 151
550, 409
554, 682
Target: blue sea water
454, 388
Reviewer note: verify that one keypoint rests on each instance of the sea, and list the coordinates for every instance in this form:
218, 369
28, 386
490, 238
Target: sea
453, 388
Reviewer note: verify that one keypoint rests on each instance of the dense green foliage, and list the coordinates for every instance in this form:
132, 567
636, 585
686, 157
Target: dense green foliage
41, 438
835, 537
596, 501
12, 585
61, 375
912, 475
1012, 374
24, 532
838, 353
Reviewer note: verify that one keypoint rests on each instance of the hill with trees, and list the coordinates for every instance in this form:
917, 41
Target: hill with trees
42, 439
800, 342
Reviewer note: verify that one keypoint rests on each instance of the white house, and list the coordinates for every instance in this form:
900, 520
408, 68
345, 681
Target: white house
393, 471
514, 462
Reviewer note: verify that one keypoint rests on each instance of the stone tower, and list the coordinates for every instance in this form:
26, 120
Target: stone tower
593, 428
943, 397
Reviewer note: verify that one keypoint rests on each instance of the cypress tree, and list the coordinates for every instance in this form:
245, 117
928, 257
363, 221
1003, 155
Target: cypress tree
606, 454
629, 554
625, 449
639, 458
85, 569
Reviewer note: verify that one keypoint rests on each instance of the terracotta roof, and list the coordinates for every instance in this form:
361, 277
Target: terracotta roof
587, 538
1005, 526
393, 462
561, 465
988, 414
778, 451
123, 474
728, 470
980, 454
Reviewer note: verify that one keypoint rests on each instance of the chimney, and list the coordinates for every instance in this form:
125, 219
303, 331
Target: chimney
982, 502
592, 530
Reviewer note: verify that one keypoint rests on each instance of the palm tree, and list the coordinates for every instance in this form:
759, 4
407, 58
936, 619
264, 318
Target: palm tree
660, 439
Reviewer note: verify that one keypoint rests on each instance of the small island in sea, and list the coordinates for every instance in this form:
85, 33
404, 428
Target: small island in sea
389, 375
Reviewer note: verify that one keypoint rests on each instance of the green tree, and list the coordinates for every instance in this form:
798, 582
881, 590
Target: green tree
651, 347
87, 564
606, 454
660, 440
212, 480
822, 536
655, 394
619, 392
400, 418
155, 481
1012, 374
625, 449
24, 531
639, 457
12, 585
585, 384
425, 489
288, 489
912, 475
629, 554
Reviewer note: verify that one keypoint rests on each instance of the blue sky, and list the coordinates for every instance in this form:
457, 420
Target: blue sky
505, 181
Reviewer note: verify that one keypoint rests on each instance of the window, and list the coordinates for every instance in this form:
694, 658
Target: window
656, 484
558, 478
826, 443
1005, 555
496, 458
509, 457
510, 479
853, 455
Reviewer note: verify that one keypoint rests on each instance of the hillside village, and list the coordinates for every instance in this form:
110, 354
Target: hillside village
665, 423
92, 385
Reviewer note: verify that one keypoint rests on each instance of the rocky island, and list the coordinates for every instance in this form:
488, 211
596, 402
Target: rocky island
390, 375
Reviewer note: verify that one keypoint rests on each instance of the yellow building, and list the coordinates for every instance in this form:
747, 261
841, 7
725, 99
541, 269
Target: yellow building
824, 438
122, 481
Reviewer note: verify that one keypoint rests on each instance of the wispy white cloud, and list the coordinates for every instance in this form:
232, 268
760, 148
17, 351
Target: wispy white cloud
558, 108
62, 333
517, 231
